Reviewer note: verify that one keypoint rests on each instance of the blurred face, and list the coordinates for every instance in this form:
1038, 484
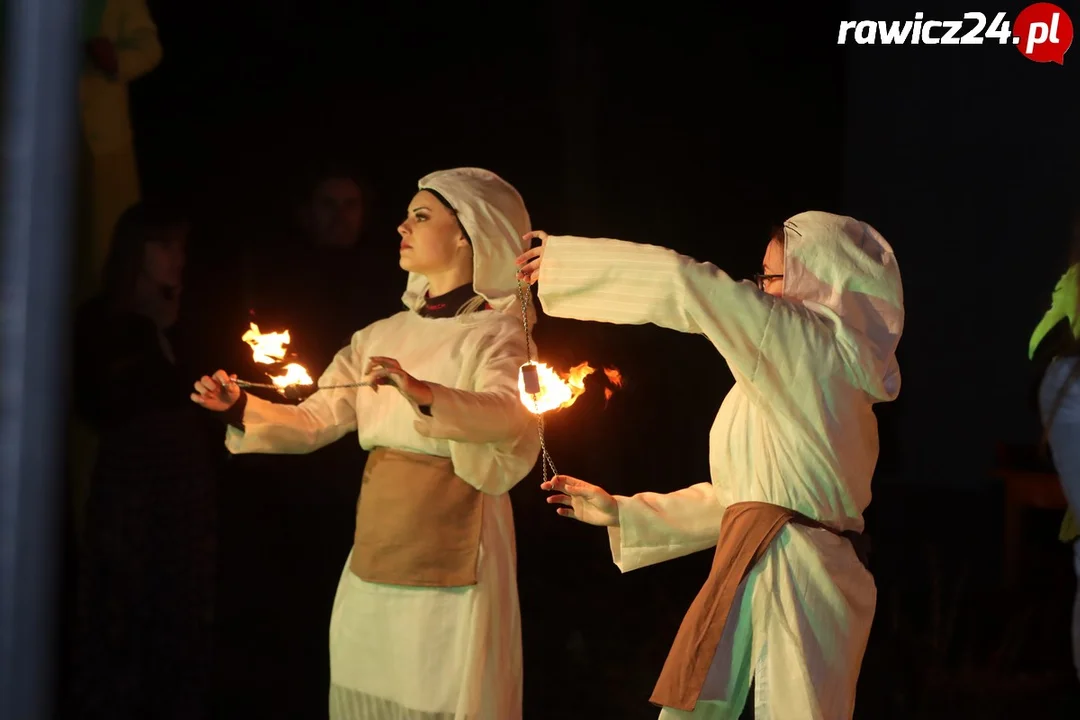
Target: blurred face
773, 269
337, 213
164, 257
432, 241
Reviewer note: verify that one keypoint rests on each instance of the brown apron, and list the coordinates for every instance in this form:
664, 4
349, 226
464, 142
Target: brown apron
746, 531
417, 523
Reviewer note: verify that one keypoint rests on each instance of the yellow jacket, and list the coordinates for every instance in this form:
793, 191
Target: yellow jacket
103, 100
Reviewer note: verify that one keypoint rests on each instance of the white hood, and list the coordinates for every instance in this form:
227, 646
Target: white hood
845, 271
494, 216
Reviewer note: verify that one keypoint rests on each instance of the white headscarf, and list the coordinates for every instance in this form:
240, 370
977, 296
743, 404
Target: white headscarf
845, 271
494, 217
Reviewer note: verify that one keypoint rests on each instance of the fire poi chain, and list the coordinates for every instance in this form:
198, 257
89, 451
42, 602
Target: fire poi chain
549, 391
541, 388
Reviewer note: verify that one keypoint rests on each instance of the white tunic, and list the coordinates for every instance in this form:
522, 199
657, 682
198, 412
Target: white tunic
407, 652
796, 430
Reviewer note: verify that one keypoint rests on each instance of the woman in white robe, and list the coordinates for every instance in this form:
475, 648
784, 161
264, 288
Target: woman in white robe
812, 350
411, 638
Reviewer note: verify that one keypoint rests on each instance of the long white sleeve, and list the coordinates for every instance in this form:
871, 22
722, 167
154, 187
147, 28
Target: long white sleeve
655, 527
492, 436
323, 418
766, 341
492, 411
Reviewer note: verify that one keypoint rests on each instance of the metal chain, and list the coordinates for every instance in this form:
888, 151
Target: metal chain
545, 457
269, 386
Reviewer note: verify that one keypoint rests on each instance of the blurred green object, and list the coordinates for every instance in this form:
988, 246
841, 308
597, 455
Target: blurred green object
1063, 305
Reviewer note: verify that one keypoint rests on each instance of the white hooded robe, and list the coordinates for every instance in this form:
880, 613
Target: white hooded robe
797, 430
420, 653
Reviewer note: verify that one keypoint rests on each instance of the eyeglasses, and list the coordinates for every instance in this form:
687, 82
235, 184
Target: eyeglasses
761, 279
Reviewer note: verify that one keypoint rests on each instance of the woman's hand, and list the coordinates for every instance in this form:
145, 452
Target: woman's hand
217, 393
583, 501
529, 261
387, 371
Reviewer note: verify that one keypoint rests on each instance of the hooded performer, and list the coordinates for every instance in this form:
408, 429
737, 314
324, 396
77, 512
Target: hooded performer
426, 620
789, 601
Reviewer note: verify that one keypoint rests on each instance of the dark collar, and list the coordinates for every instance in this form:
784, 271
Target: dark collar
448, 304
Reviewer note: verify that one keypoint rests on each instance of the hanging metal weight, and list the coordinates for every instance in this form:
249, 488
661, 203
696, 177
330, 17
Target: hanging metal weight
530, 376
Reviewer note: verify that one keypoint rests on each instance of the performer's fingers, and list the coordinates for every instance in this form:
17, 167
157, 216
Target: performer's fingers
530, 254
197, 398
556, 484
560, 499
222, 378
572, 486
380, 376
566, 512
535, 234
529, 272
206, 386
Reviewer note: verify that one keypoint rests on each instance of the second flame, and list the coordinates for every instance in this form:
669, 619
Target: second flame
558, 390
269, 349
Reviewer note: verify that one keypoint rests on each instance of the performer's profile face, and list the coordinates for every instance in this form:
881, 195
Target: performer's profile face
773, 266
431, 238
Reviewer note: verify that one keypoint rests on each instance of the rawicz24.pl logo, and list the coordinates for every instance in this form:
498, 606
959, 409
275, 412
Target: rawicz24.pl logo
1042, 32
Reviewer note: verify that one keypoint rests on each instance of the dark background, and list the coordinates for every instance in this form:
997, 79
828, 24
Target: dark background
694, 127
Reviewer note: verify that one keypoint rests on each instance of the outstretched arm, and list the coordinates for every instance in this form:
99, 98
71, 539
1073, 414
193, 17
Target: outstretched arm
655, 527
765, 340
267, 427
647, 528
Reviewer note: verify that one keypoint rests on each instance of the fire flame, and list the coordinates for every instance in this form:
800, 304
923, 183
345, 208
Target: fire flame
269, 349
615, 379
294, 375
561, 390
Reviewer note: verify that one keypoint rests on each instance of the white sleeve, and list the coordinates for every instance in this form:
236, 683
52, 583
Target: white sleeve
766, 341
321, 419
655, 527
492, 436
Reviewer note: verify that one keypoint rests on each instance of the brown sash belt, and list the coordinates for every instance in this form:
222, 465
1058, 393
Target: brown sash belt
746, 531
417, 522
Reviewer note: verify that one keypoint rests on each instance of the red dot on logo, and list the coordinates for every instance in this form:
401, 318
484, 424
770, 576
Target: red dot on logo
1043, 32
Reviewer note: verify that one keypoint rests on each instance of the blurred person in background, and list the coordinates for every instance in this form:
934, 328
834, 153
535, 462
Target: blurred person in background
120, 45
143, 640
